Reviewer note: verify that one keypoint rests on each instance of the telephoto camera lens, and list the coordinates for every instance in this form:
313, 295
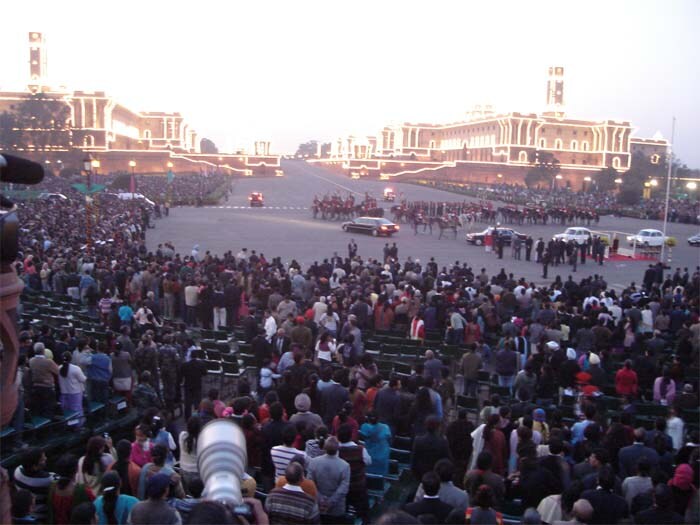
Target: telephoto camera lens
222, 458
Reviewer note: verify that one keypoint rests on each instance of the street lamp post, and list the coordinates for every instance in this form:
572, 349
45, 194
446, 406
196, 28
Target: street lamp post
132, 182
95, 201
668, 185
169, 191
87, 167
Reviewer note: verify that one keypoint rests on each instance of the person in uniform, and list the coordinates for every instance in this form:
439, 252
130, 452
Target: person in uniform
528, 248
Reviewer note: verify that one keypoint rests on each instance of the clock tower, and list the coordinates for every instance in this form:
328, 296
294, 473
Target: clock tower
37, 63
555, 92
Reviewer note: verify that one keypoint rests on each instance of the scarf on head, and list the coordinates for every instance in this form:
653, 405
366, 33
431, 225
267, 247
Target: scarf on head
683, 478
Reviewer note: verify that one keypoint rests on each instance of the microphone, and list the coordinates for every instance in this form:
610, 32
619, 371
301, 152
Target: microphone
20, 171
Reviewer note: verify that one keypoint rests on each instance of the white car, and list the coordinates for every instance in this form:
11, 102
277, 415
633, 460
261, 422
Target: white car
580, 235
54, 196
647, 237
135, 196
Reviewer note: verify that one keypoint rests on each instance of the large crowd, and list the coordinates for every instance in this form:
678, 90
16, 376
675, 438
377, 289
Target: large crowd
509, 398
185, 189
683, 210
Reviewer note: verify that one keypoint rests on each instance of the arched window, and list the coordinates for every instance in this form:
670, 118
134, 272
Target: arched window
574, 145
89, 141
522, 156
543, 143
616, 162
147, 134
584, 145
558, 144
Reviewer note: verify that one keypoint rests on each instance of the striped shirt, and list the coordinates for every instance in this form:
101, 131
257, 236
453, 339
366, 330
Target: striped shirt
281, 456
290, 505
38, 485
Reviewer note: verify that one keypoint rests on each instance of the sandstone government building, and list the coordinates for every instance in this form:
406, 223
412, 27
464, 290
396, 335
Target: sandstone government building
115, 135
492, 147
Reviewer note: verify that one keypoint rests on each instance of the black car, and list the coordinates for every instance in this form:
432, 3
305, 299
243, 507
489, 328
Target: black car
506, 233
256, 198
372, 225
694, 240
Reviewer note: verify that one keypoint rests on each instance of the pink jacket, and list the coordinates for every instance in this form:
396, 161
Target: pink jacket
139, 455
670, 391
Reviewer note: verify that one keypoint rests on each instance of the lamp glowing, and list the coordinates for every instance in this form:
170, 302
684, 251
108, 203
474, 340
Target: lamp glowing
654, 182
692, 185
132, 163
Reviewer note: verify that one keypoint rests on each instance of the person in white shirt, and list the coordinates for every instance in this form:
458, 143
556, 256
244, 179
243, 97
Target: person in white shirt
281, 455
330, 321
590, 300
647, 325
606, 300
616, 312
270, 326
141, 315
325, 349
319, 308
71, 382
675, 429
188, 449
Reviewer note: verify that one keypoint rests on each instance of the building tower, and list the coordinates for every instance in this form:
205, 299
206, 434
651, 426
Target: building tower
555, 92
37, 63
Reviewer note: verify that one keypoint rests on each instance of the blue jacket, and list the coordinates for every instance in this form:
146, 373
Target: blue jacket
124, 505
100, 367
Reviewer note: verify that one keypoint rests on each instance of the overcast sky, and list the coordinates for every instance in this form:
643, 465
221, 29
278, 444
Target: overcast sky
290, 71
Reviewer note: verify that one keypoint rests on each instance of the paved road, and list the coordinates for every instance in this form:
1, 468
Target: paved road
284, 227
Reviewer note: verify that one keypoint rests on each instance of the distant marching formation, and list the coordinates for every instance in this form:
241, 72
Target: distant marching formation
469, 213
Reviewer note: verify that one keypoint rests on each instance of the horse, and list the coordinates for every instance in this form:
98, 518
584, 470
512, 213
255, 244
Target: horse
445, 224
418, 219
399, 212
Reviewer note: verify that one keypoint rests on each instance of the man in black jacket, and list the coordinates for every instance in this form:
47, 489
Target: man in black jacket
430, 506
280, 342
608, 507
192, 373
428, 448
662, 512
272, 436
333, 397
387, 401
232, 302
260, 348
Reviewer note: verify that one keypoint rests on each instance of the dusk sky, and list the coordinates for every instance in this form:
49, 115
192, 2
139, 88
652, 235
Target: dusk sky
290, 71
